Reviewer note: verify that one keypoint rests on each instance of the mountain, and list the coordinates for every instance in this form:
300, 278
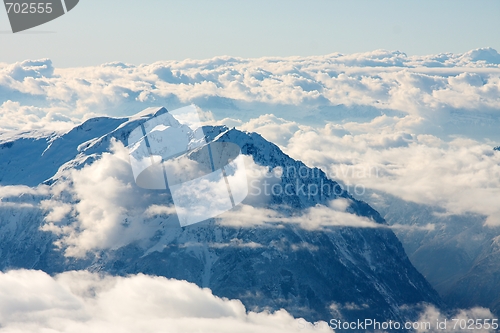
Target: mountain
481, 283
333, 272
459, 255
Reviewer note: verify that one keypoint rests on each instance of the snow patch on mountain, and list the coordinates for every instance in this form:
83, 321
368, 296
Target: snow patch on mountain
90, 215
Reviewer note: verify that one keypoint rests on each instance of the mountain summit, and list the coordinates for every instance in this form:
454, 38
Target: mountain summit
344, 270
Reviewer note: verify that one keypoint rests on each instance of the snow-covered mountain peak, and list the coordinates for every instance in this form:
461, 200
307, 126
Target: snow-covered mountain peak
289, 264
149, 113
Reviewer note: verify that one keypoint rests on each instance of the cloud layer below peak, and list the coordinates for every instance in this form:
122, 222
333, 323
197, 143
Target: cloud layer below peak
466, 86
79, 301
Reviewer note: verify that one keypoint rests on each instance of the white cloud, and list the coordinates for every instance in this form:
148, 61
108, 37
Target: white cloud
428, 86
71, 302
99, 206
19, 190
388, 154
236, 243
14, 116
314, 218
401, 153
80, 301
404, 107
457, 321
277, 130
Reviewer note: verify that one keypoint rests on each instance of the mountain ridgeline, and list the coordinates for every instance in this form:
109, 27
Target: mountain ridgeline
339, 272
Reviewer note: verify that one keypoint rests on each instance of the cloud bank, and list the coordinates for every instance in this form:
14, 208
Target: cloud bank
459, 175
79, 301
379, 120
466, 86
99, 207
388, 119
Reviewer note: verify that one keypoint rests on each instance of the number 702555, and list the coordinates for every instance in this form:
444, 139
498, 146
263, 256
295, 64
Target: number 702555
29, 8
471, 324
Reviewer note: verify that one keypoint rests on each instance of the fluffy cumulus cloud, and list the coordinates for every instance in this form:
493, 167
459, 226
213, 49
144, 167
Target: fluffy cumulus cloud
34, 93
100, 207
78, 301
314, 218
421, 128
477, 319
395, 156
393, 116
14, 116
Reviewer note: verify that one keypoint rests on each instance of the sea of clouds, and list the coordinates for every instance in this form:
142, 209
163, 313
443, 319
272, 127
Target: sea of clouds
78, 301
34, 94
421, 128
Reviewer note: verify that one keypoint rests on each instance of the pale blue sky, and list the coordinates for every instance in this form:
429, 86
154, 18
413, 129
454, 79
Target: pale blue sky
99, 31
